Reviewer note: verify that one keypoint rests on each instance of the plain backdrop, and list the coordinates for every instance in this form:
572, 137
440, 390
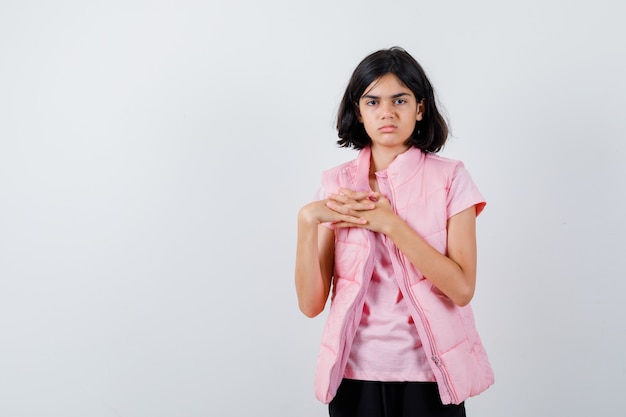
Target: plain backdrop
154, 156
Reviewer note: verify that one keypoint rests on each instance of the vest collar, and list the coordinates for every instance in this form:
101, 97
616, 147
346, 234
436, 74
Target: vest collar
403, 167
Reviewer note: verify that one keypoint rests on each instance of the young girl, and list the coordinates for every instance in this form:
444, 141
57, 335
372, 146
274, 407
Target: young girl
394, 236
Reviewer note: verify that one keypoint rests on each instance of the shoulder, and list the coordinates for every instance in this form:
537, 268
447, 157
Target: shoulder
340, 168
442, 166
442, 161
462, 191
347, 169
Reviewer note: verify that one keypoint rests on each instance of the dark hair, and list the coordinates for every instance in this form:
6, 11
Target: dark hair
430, 133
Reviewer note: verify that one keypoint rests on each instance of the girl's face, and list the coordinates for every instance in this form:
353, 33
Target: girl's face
388, 110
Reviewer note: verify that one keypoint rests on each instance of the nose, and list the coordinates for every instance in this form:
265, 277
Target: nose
386, 110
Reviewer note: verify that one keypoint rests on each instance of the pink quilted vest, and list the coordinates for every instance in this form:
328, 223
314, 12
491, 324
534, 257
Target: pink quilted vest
420, 185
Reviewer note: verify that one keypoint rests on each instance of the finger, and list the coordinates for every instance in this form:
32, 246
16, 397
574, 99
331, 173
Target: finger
355, 195
341, 225
340, 198
350, 209
349, 199
353, 219
364, 204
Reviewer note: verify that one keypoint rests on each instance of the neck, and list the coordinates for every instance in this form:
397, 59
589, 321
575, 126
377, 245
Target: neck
383, 157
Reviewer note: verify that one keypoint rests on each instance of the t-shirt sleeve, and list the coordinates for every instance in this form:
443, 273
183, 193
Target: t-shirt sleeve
320, 194
463, 193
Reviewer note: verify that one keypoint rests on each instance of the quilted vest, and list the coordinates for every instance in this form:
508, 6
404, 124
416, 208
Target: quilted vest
419, 185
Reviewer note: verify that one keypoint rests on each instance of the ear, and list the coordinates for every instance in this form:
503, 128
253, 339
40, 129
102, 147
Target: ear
357, 111
421, 108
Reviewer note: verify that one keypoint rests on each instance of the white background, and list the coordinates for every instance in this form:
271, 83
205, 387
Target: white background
154, 155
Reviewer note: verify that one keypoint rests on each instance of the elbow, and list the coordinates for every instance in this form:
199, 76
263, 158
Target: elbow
311, 311
462, 302
464, 290
463, 298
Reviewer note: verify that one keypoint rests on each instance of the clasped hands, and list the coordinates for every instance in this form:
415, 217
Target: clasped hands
348, 208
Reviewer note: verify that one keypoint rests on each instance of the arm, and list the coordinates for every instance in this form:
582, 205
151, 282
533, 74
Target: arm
453, 274
314, 266
315, 254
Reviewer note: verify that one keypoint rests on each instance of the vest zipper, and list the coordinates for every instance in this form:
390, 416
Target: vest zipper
429, 335
431, 340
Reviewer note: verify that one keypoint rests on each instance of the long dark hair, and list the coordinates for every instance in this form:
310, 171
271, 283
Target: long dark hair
430, 134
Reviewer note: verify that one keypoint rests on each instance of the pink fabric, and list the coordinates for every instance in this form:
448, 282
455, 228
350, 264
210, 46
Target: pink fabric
386, 346
426, 190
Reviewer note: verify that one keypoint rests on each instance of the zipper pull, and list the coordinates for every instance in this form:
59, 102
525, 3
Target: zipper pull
436, 360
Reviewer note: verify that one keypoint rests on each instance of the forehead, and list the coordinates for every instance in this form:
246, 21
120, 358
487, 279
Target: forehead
387, 85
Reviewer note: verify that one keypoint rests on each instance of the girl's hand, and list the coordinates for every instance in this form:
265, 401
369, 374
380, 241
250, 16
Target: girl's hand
321, 212
373, 210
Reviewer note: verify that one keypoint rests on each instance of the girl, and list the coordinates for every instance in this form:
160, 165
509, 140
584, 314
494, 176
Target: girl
394, 236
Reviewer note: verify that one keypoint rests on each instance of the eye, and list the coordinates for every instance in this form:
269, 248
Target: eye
371, 102
401, 101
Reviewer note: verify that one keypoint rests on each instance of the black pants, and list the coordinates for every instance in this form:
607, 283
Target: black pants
390, 399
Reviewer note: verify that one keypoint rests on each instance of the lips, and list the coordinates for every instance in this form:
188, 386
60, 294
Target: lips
387, 128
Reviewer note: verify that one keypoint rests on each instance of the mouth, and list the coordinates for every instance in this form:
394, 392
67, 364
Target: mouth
387, 128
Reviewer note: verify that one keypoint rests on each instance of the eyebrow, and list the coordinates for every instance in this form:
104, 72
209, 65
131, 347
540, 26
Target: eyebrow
394, 96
